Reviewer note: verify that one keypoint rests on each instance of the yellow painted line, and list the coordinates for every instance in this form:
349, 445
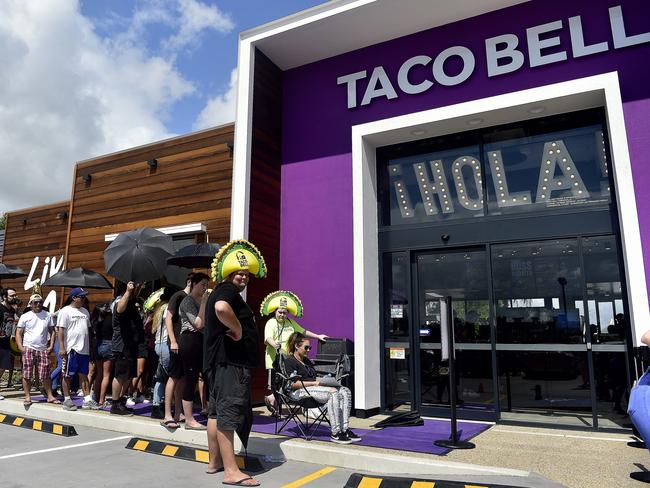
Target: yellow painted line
423, 484
2, 417
38, 425
367, 482
202, 456
57, 429
19, 421
310, 477
475, 486
140, 445
169, 451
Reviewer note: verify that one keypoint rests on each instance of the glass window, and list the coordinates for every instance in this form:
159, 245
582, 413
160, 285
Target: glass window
565, 169
396, 304
607, 319
436, 186
536, 288
557, 163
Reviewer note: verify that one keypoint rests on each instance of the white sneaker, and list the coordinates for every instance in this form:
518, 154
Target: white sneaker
1, 397
130, 402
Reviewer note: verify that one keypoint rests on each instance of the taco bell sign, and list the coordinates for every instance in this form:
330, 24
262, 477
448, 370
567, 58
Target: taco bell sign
503, 55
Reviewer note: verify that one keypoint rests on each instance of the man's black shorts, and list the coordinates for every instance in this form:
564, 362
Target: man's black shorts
125, 364
175, 369
230, 396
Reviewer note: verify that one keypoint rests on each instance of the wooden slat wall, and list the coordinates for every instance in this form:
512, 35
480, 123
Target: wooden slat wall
264, 216
43, 234
191, 184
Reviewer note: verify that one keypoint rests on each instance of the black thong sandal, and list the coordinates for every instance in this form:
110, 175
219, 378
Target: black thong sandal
240, 482
169, 424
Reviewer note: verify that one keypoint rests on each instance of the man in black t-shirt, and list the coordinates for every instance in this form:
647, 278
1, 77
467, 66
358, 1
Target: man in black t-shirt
230, 352
128, 333
175, 383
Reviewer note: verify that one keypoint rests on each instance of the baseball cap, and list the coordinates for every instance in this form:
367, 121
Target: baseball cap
78, 292
35, 298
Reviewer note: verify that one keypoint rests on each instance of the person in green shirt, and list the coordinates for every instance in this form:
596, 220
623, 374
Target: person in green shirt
279, 328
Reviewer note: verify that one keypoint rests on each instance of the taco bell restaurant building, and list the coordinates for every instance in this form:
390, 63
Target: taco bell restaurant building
390, 152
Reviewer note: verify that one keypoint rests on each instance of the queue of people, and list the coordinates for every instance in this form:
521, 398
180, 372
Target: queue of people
192, 340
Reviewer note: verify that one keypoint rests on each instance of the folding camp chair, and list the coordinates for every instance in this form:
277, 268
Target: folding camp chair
282, 382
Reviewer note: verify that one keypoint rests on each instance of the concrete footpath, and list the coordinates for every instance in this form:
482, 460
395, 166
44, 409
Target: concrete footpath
519, 454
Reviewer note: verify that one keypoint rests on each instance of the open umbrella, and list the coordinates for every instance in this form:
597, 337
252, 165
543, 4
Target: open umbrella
85, 278
9, 271
139, 255
195, 255
153, 299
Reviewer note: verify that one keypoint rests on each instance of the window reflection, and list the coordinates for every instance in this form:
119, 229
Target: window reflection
607, 318
396, 296
536, 287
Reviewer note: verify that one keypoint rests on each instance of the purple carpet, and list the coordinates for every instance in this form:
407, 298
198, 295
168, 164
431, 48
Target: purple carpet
415, 439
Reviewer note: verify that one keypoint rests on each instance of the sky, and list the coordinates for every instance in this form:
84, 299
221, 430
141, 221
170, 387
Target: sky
83, 78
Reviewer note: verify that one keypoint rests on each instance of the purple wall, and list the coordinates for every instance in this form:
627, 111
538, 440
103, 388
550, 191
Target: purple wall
316, 244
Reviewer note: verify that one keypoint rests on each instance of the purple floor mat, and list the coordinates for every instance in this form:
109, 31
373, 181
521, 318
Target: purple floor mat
415, 439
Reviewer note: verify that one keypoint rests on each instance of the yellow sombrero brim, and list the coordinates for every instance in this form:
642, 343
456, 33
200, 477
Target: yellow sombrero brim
235, 256
273, 301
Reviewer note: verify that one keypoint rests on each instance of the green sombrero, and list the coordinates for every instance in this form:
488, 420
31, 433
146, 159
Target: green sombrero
282, 299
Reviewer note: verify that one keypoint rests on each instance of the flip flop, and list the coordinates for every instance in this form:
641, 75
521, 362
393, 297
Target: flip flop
240, 482
203, 427
218, 470
27, 403
54, 402
169, 424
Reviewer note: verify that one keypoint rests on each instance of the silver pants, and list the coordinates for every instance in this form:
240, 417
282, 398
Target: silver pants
338, 401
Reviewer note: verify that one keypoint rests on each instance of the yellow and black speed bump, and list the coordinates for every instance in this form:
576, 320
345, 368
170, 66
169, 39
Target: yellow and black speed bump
178, 451
40, 425
361, 481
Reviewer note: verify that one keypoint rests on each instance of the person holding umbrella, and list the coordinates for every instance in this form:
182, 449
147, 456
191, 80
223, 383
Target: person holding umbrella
128, 334
231, 345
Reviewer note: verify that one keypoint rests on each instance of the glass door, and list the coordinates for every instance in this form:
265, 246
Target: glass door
463, 275
544, 361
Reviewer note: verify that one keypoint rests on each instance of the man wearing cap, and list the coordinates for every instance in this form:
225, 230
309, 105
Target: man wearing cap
73, 324
231, 345
32, 333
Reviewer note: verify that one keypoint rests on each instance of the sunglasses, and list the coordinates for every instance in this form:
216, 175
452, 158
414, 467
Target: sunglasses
307, 348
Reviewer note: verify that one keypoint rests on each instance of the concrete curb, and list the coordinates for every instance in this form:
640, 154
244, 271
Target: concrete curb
351, 457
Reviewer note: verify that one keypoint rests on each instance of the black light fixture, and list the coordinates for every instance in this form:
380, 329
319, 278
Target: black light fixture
88, 178
62, 215
24, 221
231, 146
153, 163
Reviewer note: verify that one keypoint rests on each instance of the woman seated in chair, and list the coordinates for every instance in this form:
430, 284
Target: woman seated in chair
337, 398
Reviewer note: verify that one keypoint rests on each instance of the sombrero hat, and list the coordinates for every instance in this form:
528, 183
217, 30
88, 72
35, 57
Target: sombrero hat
282, 299
236, 255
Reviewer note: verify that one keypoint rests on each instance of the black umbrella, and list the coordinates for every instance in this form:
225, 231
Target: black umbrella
9, 271
194, 255
139, 255
82, 277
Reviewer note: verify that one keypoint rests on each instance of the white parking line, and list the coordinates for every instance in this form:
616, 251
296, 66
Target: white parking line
72, 446
548, 434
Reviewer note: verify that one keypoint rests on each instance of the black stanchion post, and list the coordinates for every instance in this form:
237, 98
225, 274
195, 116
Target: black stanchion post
453, 442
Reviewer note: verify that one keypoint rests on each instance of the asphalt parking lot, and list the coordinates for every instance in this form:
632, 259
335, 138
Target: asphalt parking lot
100, 458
